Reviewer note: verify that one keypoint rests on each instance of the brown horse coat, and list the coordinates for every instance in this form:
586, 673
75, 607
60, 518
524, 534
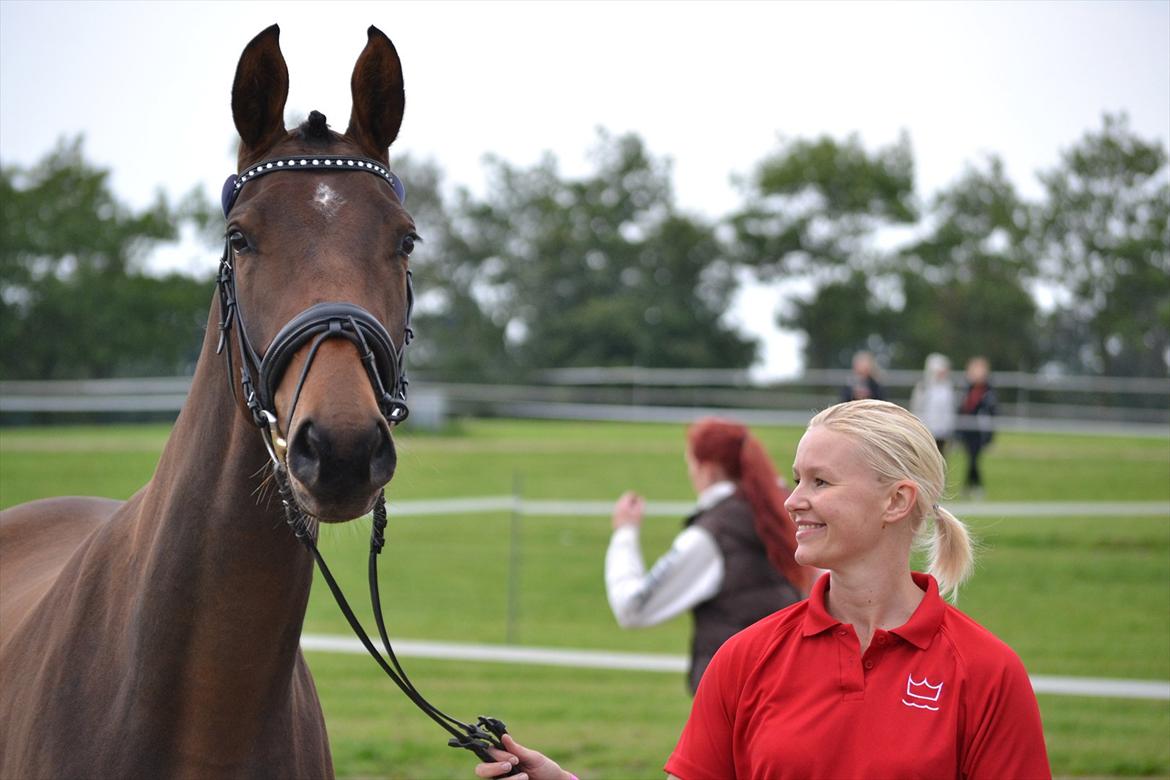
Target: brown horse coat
159, 637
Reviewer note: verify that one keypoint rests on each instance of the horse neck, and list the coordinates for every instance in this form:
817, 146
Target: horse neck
221, 569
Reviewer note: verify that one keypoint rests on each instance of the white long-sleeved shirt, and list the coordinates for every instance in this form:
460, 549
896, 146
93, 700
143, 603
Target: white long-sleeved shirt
937, 406
689, 573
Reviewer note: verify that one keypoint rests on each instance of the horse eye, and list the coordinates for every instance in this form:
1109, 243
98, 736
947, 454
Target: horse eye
238, 241
408, 242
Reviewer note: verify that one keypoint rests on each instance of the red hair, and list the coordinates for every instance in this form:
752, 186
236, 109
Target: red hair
746, 462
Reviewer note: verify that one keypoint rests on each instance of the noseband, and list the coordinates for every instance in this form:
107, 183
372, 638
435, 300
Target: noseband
260, 376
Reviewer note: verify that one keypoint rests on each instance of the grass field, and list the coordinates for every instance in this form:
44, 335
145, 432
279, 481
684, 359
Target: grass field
1087, 596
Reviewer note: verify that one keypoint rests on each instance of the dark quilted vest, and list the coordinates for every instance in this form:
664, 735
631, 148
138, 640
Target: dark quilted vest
752, 589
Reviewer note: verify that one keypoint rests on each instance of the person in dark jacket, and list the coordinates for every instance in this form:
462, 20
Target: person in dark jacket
733, 562
976, 428
863, 383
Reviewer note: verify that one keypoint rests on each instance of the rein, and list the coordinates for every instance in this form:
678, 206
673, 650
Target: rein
260, 376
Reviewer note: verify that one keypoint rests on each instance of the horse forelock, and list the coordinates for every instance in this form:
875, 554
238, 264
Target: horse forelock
315, 130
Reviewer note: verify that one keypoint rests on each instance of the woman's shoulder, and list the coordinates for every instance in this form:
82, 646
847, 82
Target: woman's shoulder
735, 502
740, 658
733, 509
976, 646
769, 632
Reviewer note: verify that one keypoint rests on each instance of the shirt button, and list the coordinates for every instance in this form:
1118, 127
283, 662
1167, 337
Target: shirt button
842, 632
869, 664
881, 640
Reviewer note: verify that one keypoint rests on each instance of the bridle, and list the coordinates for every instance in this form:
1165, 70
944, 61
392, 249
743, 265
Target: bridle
382, 360
260, 375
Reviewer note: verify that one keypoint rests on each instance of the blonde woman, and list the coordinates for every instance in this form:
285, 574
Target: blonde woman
874, 675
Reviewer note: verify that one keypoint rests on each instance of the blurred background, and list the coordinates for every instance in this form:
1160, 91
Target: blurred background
624, 184
636, 213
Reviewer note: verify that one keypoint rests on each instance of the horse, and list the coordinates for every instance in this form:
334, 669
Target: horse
159, 637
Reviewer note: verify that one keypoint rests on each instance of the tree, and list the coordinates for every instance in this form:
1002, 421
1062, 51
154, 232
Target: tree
74, 301
814, 210
601, 270
841, 318
1103, 239
457, 339
964, 285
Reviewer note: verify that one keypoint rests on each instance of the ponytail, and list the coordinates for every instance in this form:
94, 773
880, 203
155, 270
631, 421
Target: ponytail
950, 552
746, 461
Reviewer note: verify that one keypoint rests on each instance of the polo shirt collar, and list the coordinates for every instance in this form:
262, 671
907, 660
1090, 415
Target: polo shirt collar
919, 630
816, 617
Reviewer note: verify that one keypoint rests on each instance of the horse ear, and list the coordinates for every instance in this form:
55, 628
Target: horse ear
378, 95
259, 92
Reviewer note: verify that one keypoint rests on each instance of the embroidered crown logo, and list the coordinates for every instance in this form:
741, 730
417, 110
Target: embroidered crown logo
921, 694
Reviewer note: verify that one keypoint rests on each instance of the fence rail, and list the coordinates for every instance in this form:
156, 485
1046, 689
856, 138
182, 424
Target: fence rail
1104, 405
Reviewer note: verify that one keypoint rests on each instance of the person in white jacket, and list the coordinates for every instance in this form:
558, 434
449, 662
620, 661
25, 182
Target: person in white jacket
732, 563
934, 401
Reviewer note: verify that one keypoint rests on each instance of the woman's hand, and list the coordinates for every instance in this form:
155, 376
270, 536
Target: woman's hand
533, 765
629, 510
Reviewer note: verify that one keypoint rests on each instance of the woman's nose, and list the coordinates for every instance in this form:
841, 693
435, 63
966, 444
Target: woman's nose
795, 499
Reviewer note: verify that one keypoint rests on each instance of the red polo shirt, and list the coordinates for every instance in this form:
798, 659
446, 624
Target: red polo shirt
793, 697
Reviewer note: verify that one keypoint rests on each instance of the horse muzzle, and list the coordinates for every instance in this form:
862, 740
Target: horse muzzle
339, 452
337, 471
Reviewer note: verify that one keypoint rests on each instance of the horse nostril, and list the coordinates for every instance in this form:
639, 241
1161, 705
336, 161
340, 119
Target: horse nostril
384, 459
304, 454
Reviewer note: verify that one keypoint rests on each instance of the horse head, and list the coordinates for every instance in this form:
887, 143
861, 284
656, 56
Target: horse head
315, 278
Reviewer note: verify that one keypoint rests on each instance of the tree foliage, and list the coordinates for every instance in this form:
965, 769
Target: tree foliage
456, 336
600, 270
965, 283
547, 270
813, 210
1103, 241
74, 300
812, 206
1096, 249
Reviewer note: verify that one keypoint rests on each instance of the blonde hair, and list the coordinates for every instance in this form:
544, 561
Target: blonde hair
897, 446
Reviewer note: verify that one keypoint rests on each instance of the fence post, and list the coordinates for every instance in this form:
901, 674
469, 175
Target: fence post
515, 533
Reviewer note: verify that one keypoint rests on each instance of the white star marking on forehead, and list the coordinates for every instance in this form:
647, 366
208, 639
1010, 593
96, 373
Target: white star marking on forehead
327, 200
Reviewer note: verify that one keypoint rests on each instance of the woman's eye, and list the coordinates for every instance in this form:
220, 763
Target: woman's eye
408, 242
238, 241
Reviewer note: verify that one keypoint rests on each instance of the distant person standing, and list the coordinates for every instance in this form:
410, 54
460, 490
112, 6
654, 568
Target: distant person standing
933, 400
863, 384
731, 565
977, 429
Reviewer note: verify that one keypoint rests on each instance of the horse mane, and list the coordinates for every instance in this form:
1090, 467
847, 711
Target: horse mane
315, 130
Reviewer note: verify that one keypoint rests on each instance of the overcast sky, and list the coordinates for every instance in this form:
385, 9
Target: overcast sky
712, 86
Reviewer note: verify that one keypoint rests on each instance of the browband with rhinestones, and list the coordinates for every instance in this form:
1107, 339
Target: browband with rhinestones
235, 182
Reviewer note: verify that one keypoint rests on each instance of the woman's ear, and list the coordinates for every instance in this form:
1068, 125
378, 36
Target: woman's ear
901, 501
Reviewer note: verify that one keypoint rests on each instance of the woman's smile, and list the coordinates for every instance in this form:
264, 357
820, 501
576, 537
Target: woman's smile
808, 529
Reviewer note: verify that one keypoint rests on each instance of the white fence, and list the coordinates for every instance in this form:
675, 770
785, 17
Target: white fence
1095, 405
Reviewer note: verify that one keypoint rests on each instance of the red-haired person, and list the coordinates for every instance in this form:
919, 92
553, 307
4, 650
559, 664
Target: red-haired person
874, 675
733, 562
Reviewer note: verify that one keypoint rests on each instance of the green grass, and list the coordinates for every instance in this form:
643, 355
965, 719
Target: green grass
1074, 596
